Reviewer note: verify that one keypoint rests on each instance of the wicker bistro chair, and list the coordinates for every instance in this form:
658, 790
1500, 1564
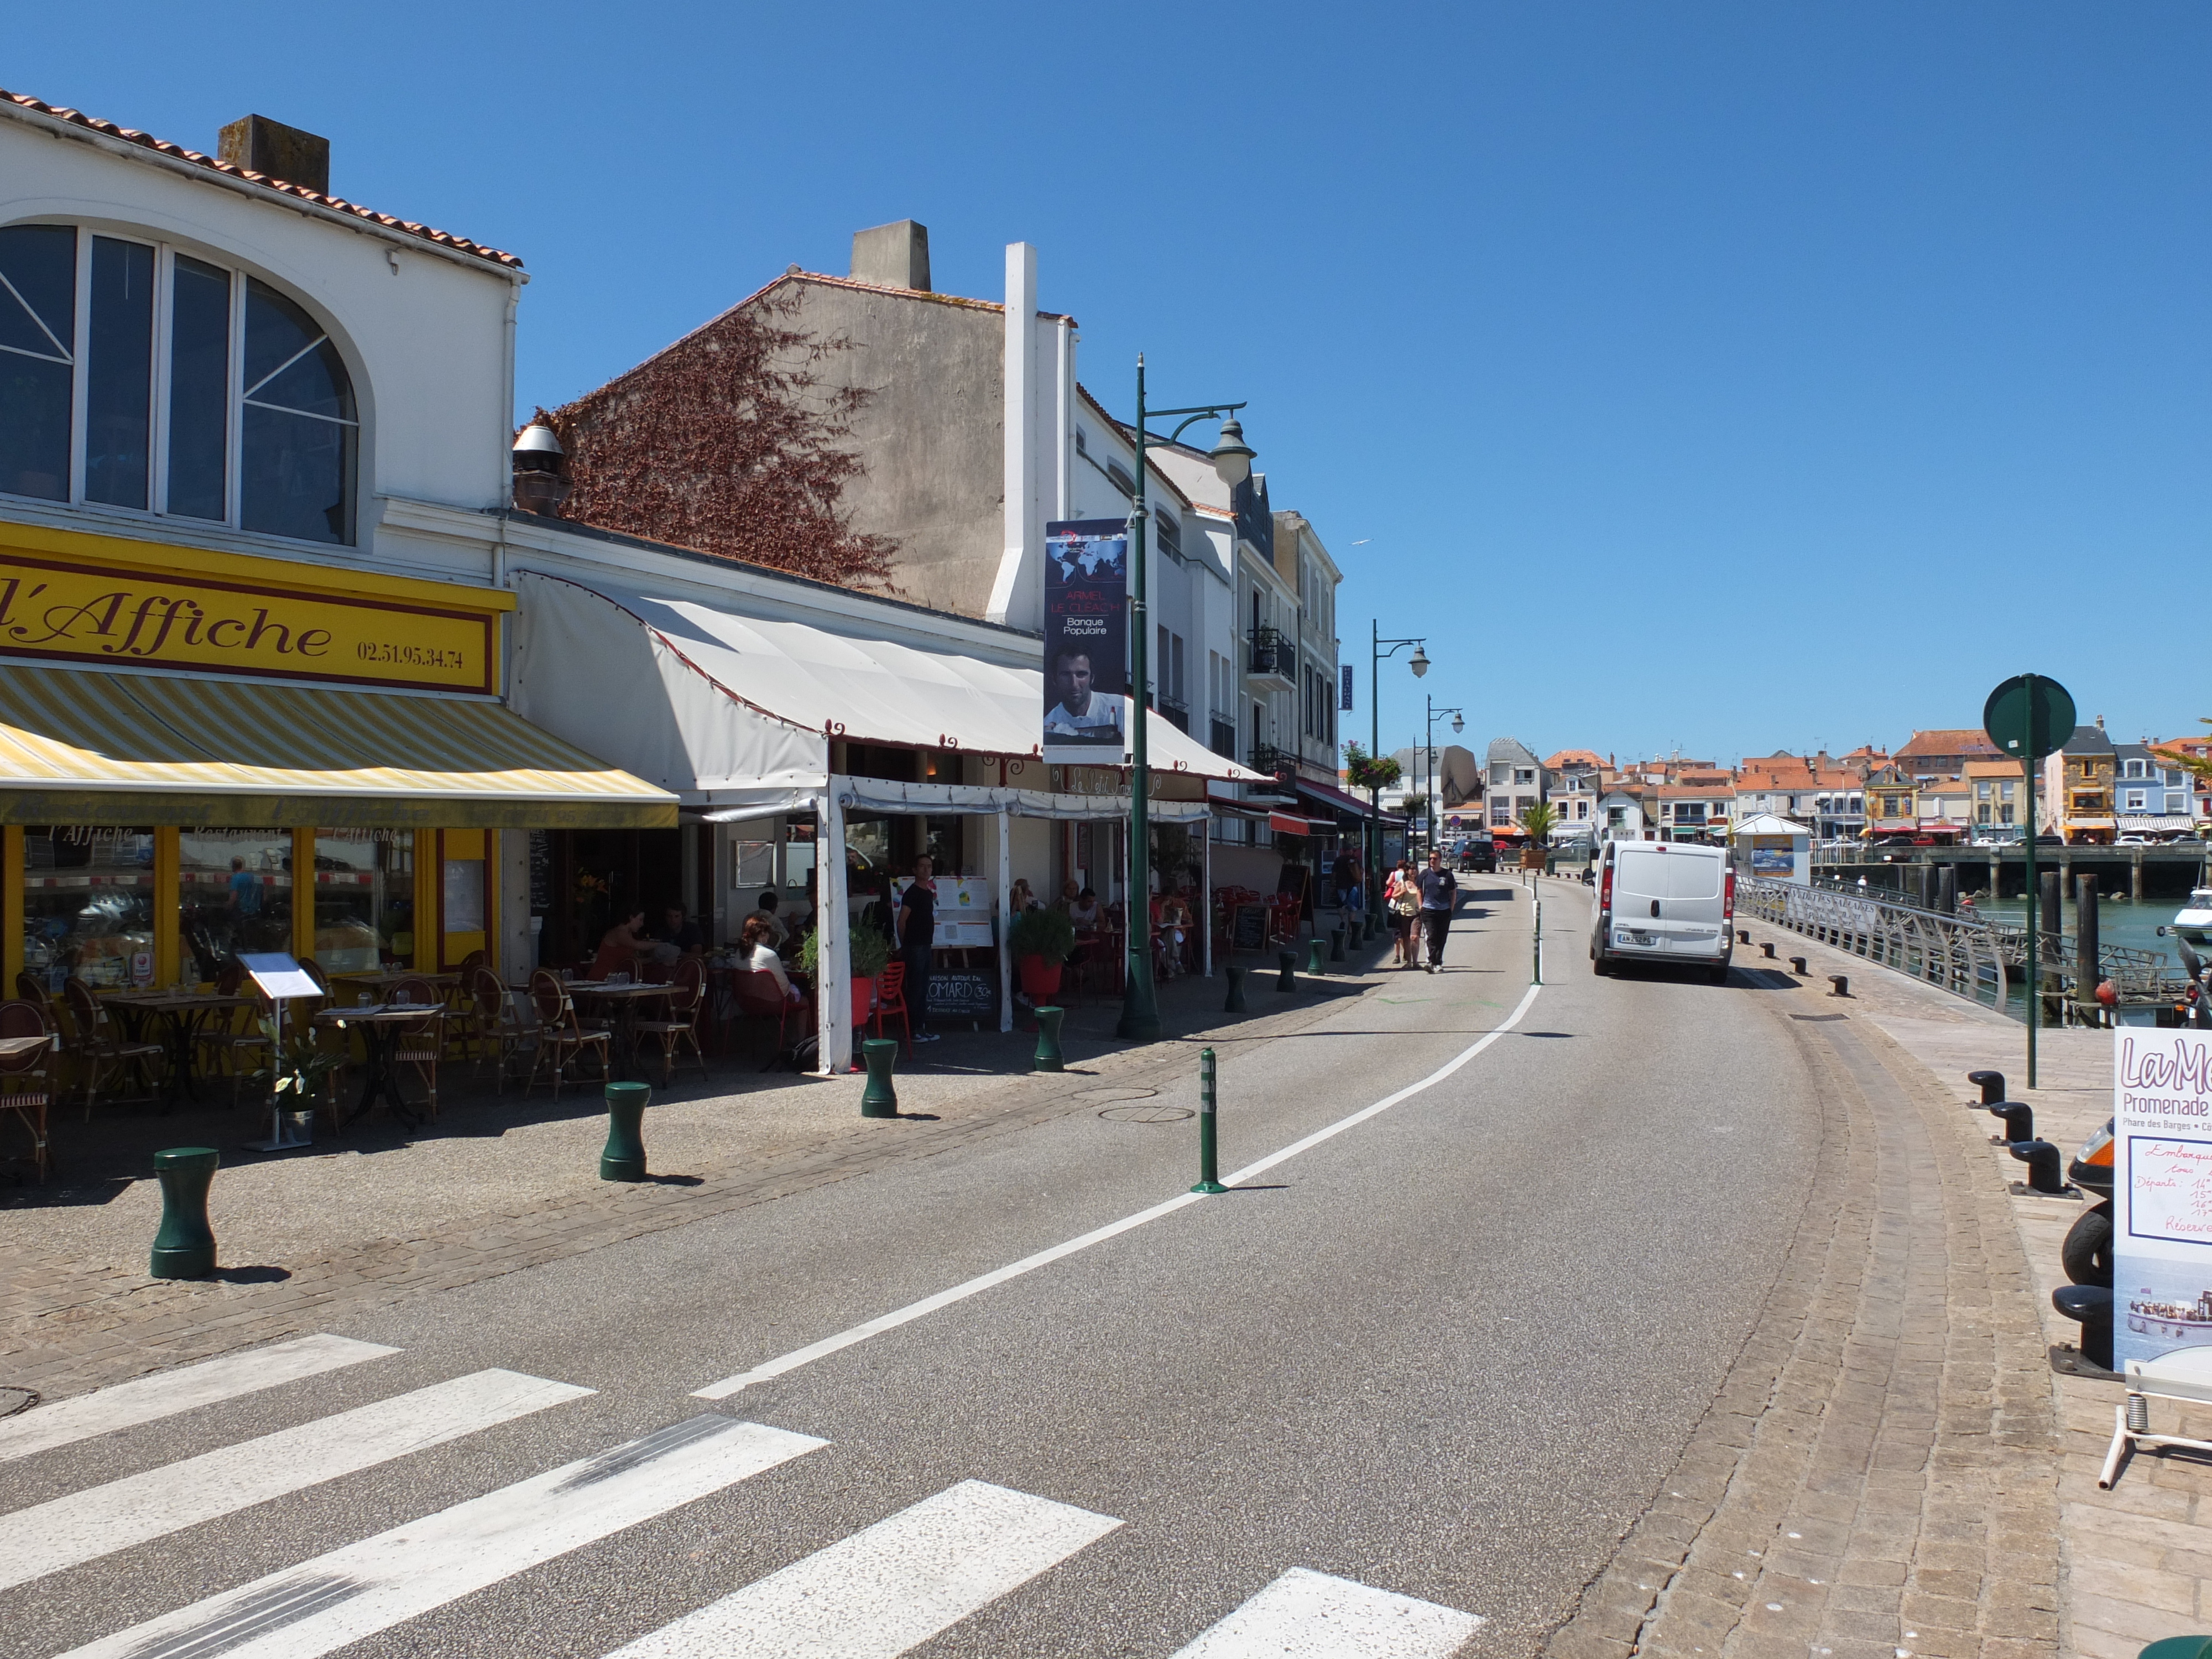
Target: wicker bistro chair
506, 1025
231, 1045
102, 1052
561, 1035
26, 1080
682, 1026
421, 1044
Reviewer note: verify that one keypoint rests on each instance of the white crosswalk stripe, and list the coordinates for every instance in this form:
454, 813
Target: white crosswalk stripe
149, 1399
1310, 1615
890, 1587
324, 1604
47, 1537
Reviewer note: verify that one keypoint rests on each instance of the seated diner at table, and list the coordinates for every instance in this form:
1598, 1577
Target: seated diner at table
676, 936
761, 957
621, 946
778, 933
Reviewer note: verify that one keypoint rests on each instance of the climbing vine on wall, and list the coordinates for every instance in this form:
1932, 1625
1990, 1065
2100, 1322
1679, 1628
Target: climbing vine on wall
729, 442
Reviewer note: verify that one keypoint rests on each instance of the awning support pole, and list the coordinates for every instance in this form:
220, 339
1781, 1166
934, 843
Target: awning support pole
1006, 918
1205, 893
833, 994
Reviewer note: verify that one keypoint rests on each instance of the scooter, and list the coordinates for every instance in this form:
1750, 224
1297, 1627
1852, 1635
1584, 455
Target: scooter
2087, 1254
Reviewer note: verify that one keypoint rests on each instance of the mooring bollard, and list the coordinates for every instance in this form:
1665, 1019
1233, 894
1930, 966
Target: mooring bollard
1313, 956
1235, 977
2091, 1306
1797, 964
1209, 1172
879, 1098
1840, 984
623, 1157
1743, 936
184, 1247
1336, 945
1991, 1083
1049, 1057
1766, 949
2045, 1170
1287, 979
2019, 1121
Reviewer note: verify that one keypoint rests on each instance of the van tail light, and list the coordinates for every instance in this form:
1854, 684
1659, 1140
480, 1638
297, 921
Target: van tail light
1605, 892
1728, 898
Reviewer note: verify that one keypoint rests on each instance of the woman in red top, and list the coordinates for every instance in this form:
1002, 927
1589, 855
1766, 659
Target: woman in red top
621, 946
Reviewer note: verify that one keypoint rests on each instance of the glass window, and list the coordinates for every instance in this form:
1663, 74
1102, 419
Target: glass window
364, 900
118, 419
299, 424
89, 906
234, 894
38, 335
199, 390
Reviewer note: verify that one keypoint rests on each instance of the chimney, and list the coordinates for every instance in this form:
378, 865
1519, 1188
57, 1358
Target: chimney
2100, 722
261, 145
896, 255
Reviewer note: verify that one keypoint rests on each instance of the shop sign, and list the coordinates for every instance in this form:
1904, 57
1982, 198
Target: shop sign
60, 609
2161, 1192
1774, 855
1086, 640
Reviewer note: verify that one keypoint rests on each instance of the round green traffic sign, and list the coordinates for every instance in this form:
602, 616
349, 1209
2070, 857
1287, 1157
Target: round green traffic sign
2028, 716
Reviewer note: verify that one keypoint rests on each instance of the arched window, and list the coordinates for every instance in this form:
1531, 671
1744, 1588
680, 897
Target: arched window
134, 375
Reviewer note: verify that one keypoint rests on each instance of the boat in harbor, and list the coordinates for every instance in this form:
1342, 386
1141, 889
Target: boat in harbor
2193, 921
2178, 1322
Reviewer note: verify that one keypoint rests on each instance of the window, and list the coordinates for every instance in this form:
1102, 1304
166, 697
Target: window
177, 388
2135, 769
1982, 812
2138, 799
2004, 813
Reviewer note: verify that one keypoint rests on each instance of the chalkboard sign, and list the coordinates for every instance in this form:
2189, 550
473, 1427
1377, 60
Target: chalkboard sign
963, 993
541, 872
1248, 927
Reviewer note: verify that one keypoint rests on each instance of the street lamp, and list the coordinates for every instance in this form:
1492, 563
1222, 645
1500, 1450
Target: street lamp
1232, 464
1418, 662
1459, 724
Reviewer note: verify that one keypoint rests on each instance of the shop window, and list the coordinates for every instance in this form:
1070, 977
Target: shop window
234, 894
89, 906
365, 900
263, 439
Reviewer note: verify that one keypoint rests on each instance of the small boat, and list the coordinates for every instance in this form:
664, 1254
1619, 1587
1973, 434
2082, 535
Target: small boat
2193, 921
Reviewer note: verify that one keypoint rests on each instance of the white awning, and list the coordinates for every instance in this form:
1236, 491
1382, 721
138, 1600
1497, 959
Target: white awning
730, 711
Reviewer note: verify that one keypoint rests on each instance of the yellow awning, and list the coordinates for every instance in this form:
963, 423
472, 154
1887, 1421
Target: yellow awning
89, 747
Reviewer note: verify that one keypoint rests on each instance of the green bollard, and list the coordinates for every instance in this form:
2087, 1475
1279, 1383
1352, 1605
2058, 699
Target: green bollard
185, 1246
623, 1157
1235, 1003
1288, 979
1313, 954
2179, 1647
1336, 945
879, 1099
1049, 1057
1209, 1169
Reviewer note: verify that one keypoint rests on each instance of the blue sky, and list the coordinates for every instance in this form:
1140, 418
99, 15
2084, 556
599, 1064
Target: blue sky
1719, 376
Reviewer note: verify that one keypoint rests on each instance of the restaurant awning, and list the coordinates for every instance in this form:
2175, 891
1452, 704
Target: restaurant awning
721, 707
1331, 799
86, 746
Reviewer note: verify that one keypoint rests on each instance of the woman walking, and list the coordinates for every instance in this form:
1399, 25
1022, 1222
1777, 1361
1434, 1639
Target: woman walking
1401, 896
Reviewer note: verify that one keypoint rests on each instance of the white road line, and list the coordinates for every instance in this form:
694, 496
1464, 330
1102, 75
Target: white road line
976, 1286
1310, 1615
322, 1605
890, 1587
100, 1520
149, 1399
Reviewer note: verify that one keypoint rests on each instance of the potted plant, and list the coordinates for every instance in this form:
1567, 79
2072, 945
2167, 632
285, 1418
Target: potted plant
1041, 940
298, 1070
1539, 821
870, 953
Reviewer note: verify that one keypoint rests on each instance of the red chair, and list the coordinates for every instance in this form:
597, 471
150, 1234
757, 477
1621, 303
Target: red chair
891, 999
758, 996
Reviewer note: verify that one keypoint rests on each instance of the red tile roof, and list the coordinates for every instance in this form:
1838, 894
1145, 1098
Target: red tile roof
1962, 740
178, 152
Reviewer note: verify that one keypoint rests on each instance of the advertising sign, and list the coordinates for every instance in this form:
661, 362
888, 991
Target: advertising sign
1086, 642
1773, 855
2161, 1193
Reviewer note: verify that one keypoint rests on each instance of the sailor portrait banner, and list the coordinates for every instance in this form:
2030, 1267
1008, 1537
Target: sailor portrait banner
1086, 642
2161, 1192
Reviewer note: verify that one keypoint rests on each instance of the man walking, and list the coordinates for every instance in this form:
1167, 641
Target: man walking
1439, 892
917, 923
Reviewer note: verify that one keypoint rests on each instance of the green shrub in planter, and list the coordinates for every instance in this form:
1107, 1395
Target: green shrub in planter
870, 952
1046, 934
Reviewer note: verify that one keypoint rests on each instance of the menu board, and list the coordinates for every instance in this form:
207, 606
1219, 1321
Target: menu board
2161, 1192
963, 993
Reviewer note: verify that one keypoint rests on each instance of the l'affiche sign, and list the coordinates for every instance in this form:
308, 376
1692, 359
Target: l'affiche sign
248, 616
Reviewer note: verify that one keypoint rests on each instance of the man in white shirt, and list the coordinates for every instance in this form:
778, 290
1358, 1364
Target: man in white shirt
1081, 713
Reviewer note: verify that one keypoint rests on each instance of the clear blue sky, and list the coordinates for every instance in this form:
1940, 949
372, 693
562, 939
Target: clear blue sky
1726, 376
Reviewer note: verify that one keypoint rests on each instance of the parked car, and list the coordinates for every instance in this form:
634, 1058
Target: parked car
1476, 854
1666, 901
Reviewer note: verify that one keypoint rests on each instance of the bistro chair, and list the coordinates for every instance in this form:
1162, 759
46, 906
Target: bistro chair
496, 1016
759, 997
27, 1079
891, 999
243, 1038
101, 1054
420, 1044
314, 971
682, 1025
560, 1036
31, 989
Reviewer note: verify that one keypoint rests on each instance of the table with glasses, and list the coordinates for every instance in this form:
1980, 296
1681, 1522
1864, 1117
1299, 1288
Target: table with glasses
183, 1015
381, 1026
622, 998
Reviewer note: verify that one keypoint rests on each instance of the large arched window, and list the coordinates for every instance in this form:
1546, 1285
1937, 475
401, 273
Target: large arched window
135, 375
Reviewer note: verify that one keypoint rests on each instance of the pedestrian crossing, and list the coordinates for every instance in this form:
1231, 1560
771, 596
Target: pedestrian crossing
877, 1593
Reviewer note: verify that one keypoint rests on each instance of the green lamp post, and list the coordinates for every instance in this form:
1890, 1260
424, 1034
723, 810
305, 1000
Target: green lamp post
1232, 465
1418, 662
1428, 758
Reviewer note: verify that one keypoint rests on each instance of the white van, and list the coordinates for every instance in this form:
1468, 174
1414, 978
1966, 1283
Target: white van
1664, 901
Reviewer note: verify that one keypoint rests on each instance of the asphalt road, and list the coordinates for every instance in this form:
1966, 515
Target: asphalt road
1448, 1353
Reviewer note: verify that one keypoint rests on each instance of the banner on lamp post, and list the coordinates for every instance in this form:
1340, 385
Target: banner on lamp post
1086, 642
2161, 1193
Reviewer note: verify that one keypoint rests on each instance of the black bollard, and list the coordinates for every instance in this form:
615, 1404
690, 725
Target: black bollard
1842, 982
2089, 972
1235, 1003
1797, 965
2091, 1307
1288, 979
1743, 936
1336, 945
1991, 1083
1766, 950
2044, 1168
2019, 1121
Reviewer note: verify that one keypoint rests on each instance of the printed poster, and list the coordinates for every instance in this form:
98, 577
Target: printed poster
2161, 1192
1086, 642
1773, 855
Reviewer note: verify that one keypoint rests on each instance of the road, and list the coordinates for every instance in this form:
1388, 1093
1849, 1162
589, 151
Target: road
1423, 1372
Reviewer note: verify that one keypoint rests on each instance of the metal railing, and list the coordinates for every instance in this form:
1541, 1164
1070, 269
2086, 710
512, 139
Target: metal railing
1280, 763
1274, 652
1224, 736
1956, 954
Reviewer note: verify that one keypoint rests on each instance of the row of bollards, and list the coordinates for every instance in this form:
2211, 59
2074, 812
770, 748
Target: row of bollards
2089, 1305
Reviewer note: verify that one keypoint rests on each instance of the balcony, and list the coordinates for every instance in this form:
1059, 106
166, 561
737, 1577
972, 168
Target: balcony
1273, 655
1174, 710
1279, 763
1223, 737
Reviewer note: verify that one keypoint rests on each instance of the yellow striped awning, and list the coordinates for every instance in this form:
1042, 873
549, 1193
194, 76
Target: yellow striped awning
89, 747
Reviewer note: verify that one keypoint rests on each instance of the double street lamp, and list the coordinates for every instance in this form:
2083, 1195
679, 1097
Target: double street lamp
1418, 662
1232, 465
1428, 758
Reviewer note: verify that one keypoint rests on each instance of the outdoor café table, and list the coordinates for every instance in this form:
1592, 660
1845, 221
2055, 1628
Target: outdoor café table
621, 1001
183, 1015
383, 980
381, 1028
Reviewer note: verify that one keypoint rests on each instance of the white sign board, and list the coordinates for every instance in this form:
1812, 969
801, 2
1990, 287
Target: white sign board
2161, 1193
280, 977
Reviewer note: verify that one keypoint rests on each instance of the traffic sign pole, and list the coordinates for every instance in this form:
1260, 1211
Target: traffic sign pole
2030, 715
2027, 766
